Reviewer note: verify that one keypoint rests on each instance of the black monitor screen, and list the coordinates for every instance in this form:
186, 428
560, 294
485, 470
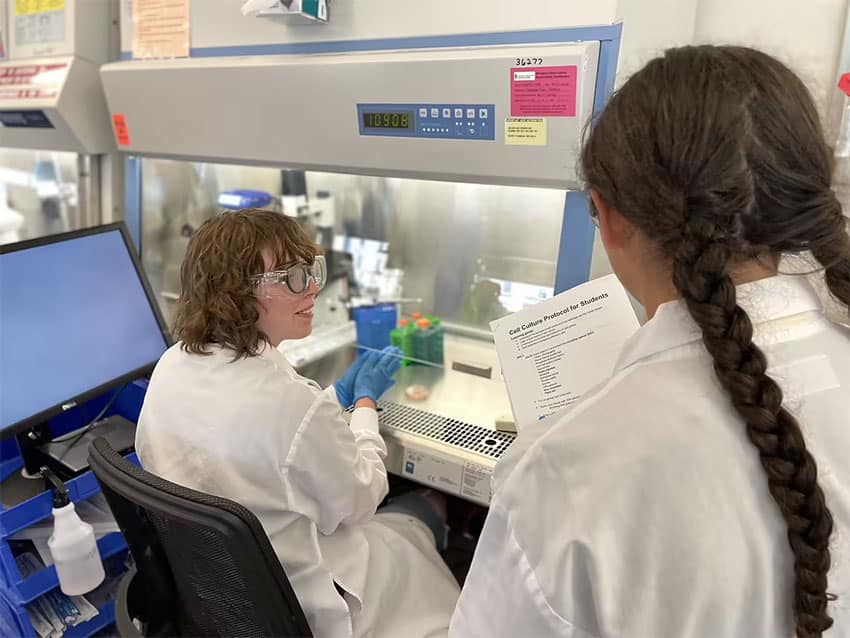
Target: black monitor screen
76, 318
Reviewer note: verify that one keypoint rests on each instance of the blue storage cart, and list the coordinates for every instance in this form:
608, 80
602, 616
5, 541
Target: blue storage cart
15, 590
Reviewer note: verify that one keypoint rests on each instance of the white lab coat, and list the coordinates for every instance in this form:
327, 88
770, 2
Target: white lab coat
644, 511
255, 432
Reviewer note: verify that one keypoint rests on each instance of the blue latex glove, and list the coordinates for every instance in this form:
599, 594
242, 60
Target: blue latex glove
376, 374
345, 386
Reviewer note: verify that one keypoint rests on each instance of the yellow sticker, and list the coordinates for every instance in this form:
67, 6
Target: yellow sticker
30, 7
525, 131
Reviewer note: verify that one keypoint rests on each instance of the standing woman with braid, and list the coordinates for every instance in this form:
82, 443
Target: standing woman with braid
704, 490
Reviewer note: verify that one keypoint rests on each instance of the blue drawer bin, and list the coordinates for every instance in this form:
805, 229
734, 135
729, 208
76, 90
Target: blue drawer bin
13, 619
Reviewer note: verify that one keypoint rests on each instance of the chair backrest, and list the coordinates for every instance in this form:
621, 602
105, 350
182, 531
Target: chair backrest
205, 562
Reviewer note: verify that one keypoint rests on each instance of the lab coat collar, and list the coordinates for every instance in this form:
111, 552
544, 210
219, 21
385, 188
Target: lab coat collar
265, 352
765, 301
279, 359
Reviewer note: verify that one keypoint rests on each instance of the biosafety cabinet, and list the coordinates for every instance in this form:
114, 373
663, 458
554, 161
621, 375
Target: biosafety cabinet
55, 132
443, 166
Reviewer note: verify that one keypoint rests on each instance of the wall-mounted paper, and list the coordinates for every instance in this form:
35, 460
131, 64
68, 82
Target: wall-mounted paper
160, 28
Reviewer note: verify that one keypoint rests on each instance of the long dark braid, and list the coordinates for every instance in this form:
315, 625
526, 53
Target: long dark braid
700, 274
716, 154
833, 253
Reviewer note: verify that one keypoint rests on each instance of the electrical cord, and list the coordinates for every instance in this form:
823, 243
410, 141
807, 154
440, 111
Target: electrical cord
76, 436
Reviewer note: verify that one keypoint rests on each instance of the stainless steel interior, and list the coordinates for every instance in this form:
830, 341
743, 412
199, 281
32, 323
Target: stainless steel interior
457, 244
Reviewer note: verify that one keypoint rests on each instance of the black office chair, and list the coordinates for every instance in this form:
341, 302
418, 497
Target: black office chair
204, 565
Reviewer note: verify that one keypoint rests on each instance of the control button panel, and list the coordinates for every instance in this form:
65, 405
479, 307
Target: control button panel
430, 121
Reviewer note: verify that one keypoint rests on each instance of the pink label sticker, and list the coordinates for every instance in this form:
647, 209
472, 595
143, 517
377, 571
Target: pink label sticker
25, 74
547, 91
31, 81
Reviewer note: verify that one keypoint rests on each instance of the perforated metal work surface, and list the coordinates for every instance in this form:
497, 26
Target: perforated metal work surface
468, 437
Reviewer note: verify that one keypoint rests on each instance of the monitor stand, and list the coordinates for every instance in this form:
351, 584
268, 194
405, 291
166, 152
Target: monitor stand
72, 454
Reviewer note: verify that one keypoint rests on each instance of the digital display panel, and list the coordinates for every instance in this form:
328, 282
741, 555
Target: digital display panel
388, 120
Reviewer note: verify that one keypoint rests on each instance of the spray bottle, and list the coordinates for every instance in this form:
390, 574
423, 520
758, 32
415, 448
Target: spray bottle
72, 544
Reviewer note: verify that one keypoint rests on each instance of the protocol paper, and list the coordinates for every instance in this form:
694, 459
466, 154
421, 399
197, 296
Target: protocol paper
553, 352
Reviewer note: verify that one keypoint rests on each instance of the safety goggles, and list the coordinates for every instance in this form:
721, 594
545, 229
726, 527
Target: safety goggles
296, 278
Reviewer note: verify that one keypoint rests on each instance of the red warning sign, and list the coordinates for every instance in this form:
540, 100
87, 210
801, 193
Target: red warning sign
546, 91
844, 83
122, 134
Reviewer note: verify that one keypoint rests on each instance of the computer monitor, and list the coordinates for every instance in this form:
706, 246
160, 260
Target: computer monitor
77, 318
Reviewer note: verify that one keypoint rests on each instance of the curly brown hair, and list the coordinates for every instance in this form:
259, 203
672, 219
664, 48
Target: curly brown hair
718, 156
217, 304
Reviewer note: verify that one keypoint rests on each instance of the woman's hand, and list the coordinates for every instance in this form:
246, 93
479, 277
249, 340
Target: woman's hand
375, 375
345, 386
